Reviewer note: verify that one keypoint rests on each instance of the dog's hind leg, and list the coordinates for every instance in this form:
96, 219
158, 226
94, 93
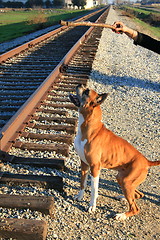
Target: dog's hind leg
138, 194
129, 181
84, 177
129, 193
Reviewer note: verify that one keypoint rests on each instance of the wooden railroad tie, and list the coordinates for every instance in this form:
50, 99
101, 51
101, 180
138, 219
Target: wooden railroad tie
23, 229
57, 163
44, 204
54, 105
53, 182
58, 148
64, 138
57, 127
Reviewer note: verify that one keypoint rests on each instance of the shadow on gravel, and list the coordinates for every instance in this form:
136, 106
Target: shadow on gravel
118, 81
103, 183
148, 196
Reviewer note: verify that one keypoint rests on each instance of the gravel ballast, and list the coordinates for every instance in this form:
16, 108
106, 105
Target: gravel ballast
131, 75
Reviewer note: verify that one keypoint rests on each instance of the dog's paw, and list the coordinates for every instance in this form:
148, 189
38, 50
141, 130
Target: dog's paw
92, 209
79, 196
120, 216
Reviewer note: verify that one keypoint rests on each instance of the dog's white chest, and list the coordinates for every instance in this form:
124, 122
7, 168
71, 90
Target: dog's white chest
78, 143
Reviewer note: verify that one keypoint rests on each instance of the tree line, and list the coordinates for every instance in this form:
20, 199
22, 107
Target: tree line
40, 3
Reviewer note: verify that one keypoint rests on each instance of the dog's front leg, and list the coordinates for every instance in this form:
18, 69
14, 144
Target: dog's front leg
94, 193
84, 177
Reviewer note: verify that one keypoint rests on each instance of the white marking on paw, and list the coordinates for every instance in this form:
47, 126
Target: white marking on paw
120, 216
92, 209
79, 196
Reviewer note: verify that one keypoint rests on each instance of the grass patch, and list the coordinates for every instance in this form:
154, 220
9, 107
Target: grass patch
149, 16
155, 31
148, 19
15, 24
142, 10
150, 10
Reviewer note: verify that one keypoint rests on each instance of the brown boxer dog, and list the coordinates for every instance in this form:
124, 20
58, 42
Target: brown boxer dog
100, 148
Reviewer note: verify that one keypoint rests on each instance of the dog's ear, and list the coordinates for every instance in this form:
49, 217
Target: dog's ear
100, 99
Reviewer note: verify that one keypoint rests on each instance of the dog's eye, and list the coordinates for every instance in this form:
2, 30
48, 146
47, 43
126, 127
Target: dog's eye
91, 103
86, 92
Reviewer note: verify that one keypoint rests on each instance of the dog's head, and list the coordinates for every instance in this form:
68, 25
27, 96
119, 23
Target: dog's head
87, 99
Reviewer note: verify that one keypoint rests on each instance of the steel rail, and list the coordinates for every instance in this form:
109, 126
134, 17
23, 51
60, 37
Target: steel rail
27, 45
16, 124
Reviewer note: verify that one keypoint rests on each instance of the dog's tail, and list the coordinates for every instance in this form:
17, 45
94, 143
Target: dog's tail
155, 163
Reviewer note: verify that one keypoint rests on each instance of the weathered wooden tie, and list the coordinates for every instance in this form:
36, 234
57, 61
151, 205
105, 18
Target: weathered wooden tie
57, 163
58, 148
23, 229
66, 138
53, 111
44, 204
56, 119
55, 105
54, 182
57, 127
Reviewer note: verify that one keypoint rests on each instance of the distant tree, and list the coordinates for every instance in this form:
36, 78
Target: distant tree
28, 4
57, 3
16, 4
48, 4
1, 3
34, 3
149, 1
79, 3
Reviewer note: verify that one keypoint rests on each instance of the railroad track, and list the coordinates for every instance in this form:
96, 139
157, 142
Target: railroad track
21, 75
45, 123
